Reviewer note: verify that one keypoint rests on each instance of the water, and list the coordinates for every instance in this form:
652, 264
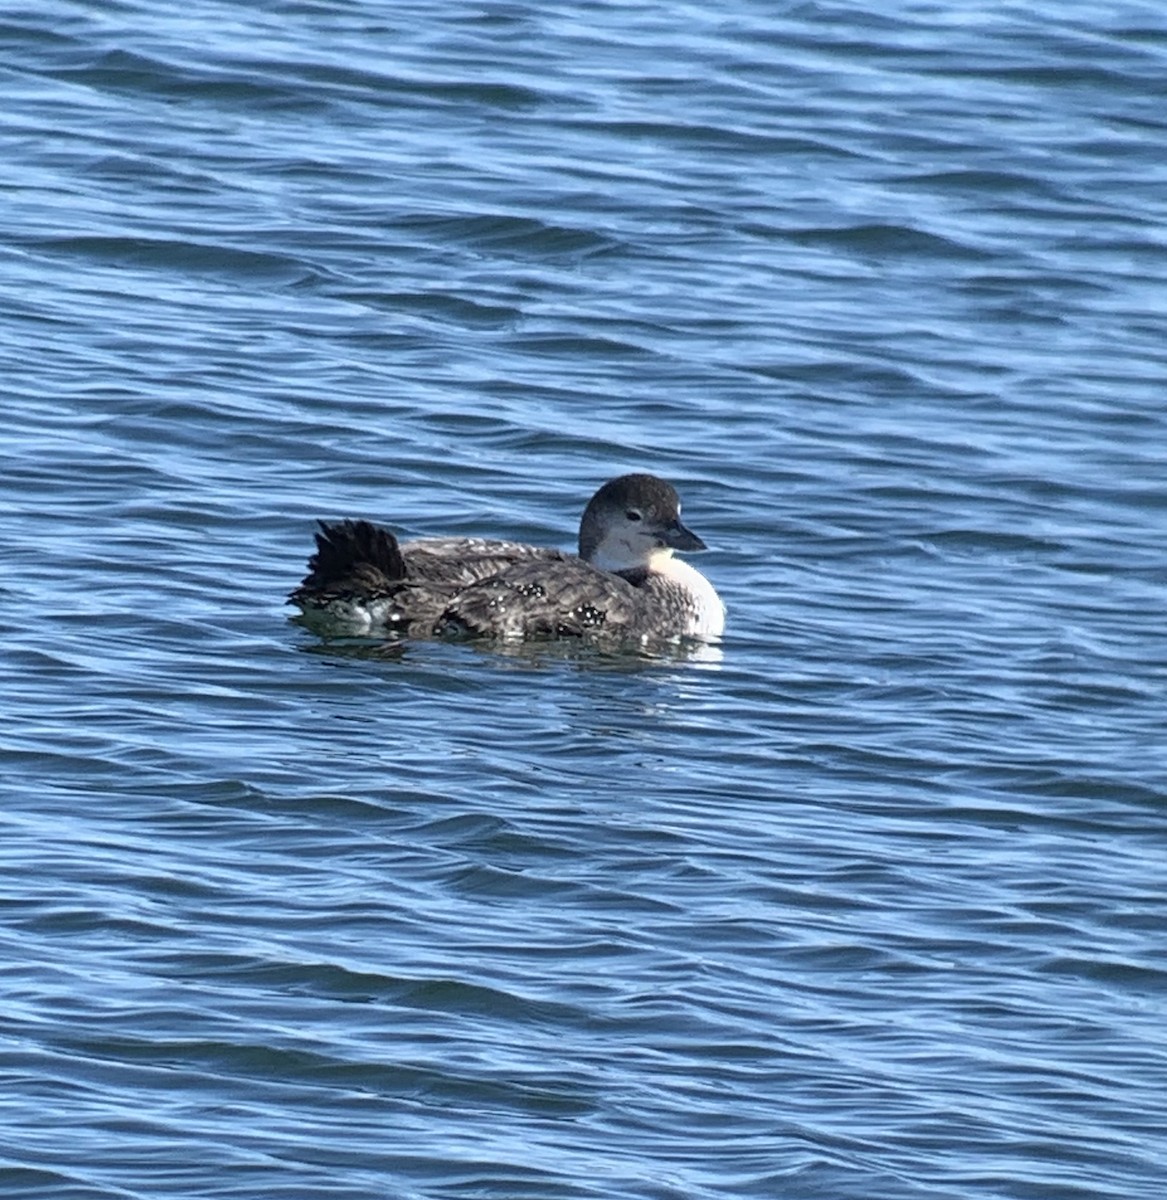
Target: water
871, 904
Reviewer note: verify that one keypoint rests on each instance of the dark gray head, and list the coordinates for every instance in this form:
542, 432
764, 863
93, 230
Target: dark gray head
631, 521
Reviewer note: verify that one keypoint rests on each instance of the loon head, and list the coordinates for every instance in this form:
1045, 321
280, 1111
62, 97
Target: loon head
634, 522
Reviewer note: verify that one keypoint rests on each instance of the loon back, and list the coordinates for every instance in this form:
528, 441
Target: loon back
576, 599
362, 580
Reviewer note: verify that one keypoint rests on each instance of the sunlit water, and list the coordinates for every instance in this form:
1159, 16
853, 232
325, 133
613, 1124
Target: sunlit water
869, 904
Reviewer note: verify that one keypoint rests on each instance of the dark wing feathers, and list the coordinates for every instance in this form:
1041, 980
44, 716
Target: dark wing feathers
357, 562
527, 600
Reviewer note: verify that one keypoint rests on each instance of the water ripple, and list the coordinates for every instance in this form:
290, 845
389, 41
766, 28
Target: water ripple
867, 903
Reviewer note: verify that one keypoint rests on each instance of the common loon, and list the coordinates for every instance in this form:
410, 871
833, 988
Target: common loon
624, 584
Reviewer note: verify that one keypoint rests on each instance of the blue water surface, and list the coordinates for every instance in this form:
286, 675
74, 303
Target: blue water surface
866, 904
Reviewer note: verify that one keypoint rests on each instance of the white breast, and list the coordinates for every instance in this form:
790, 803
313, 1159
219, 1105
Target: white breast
708, 620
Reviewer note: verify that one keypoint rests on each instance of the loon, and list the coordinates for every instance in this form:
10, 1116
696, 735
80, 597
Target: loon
624, 584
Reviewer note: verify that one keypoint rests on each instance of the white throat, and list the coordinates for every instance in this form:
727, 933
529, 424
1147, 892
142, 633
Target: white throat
612, 554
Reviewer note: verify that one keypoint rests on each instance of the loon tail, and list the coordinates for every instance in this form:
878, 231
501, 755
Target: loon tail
352, 552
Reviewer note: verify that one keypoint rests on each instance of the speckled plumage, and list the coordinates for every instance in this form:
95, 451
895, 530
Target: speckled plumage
624, 585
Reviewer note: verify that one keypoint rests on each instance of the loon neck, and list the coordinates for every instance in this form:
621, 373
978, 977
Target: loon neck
656, 563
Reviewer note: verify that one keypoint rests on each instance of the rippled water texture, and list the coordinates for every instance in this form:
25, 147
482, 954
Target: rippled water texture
867, 906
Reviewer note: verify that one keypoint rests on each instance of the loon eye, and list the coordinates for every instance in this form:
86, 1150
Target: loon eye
632, 515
